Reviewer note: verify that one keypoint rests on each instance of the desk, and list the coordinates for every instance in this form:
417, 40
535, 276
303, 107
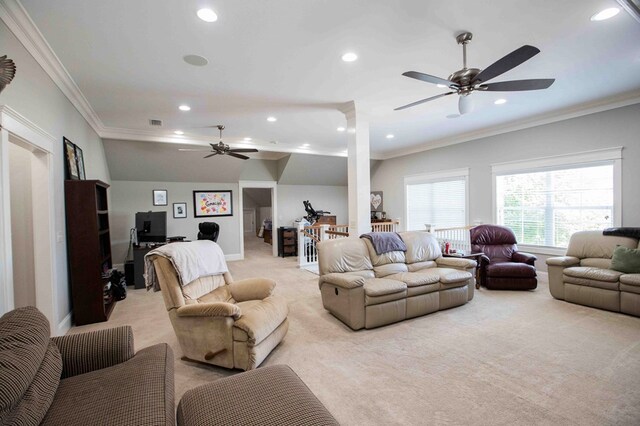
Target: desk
472, 256
138, 264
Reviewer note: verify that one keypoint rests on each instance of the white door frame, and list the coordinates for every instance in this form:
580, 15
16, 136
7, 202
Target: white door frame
273, 185
16, 128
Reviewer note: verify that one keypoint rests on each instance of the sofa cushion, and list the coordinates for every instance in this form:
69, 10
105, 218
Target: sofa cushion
419, 266
391, 268
511, 270
259, 319
24, 340
450, 276
421, 246
343, 255
593, 244
381, 286
596, 274
630, 279
414, 279
626, 260
204, 286
385, 258
605, 285
595, 262
136, 392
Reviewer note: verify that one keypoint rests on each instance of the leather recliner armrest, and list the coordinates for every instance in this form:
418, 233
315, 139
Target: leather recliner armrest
213, 309
563, 261
345, 281
522, 257
252, 289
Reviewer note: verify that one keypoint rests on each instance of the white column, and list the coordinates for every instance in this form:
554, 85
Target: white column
359, 187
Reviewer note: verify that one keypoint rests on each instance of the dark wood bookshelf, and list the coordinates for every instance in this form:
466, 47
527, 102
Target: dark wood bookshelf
88, 249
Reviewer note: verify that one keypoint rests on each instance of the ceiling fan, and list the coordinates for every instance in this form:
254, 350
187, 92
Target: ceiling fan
468, 80
222, 149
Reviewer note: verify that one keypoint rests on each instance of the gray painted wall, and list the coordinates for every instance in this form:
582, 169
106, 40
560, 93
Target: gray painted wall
330, 198
618, 127
34, 95
130, 197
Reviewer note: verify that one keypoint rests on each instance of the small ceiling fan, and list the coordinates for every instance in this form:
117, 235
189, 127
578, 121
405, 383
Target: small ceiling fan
468, 80
221, 148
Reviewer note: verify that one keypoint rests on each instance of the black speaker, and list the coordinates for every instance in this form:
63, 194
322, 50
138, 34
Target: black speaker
128, 272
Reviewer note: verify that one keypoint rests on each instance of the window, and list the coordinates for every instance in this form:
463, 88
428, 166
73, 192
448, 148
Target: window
548, 202
438, 199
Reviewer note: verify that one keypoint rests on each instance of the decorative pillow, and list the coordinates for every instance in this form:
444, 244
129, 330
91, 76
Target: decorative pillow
626, 260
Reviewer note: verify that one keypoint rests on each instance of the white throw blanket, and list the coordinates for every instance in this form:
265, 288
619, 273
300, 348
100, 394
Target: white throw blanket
191, 260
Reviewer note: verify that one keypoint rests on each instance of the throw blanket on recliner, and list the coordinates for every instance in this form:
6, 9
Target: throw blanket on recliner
623, 232
384, 242
191, 260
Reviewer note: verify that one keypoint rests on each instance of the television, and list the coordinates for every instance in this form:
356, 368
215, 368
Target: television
151, 227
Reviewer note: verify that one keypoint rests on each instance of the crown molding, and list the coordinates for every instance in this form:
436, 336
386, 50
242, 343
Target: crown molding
22, 26
540, 120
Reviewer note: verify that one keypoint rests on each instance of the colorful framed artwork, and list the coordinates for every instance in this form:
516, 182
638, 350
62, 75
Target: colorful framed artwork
80, 162
212, 203
70, 160
179, 210
160, 197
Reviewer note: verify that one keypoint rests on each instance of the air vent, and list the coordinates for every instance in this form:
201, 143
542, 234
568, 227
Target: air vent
155, 122
632, 7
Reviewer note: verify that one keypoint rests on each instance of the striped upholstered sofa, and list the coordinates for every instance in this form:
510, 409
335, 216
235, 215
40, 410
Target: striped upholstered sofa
81, 379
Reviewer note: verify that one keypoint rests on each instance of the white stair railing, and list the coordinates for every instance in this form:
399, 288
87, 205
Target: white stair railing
458, 238
391, 226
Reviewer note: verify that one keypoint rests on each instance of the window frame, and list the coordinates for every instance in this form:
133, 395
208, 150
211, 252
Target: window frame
439, 176
562, 162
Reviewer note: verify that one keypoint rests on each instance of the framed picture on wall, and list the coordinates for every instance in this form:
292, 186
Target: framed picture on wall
212, 203
70, 160
160, 197
80, 162
179, 210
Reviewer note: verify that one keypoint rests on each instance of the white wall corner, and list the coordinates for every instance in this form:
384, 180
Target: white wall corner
233, 257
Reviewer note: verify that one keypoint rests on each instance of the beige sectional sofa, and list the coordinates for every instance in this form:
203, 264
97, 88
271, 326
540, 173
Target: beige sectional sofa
583, 275
367, 290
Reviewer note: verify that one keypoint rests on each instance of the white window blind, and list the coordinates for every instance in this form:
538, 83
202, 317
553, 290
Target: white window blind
545, 207
440, 202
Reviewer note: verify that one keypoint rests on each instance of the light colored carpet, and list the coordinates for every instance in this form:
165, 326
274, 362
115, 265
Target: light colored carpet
504, 358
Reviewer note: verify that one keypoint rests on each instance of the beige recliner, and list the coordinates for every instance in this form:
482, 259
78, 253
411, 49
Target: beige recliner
221, 322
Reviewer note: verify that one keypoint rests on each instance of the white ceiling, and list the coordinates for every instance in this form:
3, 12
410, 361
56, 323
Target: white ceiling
282, 58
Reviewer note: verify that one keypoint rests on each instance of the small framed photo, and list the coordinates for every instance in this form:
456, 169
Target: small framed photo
212, 203
179, 210
80, 161
160, 197
70, 161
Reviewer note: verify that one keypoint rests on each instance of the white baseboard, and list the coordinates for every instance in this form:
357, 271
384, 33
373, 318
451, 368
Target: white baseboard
232, 257
64, 325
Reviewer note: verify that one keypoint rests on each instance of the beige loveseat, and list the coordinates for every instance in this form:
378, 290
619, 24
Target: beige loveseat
367, 290
583, 275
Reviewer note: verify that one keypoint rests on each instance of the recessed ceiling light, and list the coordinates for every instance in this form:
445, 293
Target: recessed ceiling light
500, 101
179, 132
349, 57
442, 86
605, 14
184, 108
341, 129
195, 60
272, 119
248, 139
390, 136
207, 15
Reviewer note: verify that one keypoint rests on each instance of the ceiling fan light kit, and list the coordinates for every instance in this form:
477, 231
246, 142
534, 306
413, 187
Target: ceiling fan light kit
468, 80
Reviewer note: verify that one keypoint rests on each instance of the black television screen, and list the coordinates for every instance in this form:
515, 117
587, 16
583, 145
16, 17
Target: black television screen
151, 227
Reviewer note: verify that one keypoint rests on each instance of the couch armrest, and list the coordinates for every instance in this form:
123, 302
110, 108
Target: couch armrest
456, 262
213, 309
252, 289
85, 352
345, 281
522, 257
563, 261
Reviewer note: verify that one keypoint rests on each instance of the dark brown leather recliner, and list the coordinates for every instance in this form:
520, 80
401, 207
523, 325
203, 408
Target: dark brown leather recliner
502, 267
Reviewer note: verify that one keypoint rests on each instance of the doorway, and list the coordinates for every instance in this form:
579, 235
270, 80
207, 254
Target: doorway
259, 218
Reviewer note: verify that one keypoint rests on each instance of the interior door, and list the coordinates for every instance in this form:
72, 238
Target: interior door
249, 220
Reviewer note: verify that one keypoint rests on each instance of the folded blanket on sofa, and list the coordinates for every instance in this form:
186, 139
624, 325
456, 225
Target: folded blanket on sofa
191, 260
384, 242
623, 232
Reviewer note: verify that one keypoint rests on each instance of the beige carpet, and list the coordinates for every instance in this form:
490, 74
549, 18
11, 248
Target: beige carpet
504, 358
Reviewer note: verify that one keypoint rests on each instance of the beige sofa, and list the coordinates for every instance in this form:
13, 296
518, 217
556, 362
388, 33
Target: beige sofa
367, 290
583, 275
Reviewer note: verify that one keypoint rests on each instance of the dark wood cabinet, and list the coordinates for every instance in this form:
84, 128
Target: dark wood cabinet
326, 220
88, 250
287, 241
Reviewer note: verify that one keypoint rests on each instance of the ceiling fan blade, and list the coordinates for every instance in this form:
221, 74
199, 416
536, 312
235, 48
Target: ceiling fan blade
210, 155
233, 154
518, 85
243, 150
430, 79
508, 62
423, 101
